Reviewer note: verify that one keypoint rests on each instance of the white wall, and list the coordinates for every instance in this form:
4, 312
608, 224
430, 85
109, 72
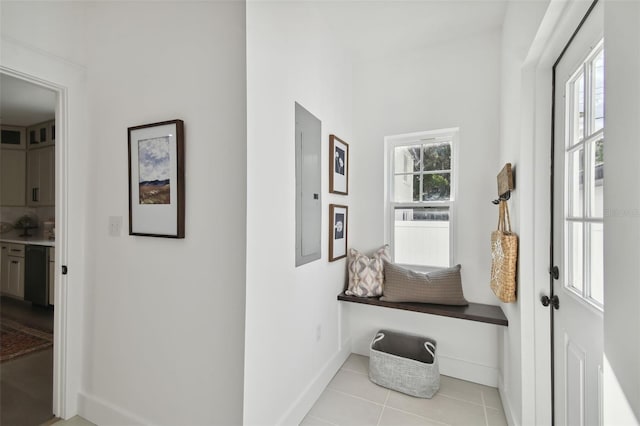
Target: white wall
455, 84
163, 319
517, 384
291, 57
622, 213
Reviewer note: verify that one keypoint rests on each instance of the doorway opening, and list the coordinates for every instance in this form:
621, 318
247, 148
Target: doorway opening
30, 207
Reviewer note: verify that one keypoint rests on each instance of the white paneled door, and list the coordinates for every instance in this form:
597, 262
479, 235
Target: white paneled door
579, 141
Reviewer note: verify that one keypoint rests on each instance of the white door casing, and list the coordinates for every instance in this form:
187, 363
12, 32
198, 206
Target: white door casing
578, 323
68, 80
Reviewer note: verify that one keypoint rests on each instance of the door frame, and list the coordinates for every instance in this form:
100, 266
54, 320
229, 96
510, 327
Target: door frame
68, 81
552, 231
557, 26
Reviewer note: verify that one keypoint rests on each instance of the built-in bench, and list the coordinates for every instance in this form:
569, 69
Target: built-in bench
489, 314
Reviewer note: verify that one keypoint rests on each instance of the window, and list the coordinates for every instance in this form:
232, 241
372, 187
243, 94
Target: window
584, 180
420, 192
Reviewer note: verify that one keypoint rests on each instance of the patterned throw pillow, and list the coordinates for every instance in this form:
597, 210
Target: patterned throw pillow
366, 275
442, 286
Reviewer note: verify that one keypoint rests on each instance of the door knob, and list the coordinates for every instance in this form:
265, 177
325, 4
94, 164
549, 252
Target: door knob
553, 301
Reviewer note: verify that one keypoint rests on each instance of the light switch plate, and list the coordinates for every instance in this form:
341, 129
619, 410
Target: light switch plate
115, 226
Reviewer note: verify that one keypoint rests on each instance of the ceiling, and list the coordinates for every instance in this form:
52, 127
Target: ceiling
368, 29
23, 103
371, 29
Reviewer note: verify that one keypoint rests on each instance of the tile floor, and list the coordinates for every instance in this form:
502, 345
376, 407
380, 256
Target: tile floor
352, 399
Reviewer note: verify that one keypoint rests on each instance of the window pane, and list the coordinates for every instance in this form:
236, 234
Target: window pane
597, 206
436, 187
598, 92
578, 109
421, 236
406, 188
574, 261
437, 156
575, 183
406, 159
596, 260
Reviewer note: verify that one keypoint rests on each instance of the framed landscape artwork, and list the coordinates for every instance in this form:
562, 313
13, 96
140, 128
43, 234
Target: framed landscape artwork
338, 219
338, 165
156, 179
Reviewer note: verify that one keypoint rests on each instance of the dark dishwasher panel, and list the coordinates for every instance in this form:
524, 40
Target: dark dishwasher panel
35, 274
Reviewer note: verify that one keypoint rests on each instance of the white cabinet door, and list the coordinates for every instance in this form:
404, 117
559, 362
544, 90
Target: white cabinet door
15, 272
52, 276
4, 269
13, 165
41, 177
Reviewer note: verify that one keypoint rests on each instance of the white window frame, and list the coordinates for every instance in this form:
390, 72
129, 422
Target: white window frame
420, 138
585, 141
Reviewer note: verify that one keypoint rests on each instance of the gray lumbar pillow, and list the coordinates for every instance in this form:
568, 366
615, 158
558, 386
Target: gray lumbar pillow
443, 287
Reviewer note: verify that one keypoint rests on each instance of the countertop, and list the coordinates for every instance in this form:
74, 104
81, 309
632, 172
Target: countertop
34, 240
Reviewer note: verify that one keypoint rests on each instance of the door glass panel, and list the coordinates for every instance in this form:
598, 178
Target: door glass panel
578, 108
575, 250
598, 92
595, 259
576, 183
597, 206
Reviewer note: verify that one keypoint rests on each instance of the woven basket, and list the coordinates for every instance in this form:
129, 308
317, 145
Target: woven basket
504, 254
404, 362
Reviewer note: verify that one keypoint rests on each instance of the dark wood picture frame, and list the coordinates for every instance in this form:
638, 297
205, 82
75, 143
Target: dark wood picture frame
338, 166
156, 179
338, 231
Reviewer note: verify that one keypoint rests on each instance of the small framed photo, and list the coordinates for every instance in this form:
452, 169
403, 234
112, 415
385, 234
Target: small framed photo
338, 165
156, 179
338, 219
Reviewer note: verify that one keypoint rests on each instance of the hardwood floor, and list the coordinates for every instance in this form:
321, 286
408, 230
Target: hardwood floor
26, 383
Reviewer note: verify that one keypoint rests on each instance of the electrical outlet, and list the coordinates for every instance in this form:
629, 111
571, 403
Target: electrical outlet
318, 332
115, 225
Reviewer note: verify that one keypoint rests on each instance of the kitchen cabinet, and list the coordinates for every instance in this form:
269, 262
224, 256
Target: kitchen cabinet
42, 134
13, 270
13, 137
13, 168
41, 177
52, 275
4, 268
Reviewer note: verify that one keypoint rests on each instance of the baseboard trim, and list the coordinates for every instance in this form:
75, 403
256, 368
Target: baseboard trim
465, 370
506, 404
309, 396
468, 370
102, 412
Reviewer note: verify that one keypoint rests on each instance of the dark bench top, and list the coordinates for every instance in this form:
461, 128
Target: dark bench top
490, 314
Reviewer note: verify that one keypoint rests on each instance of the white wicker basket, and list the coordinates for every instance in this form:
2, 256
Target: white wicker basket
404, 362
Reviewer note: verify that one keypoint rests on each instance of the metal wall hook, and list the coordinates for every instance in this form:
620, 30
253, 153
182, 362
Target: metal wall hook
503, 197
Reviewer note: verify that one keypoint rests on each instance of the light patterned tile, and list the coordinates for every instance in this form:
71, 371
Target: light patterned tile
341, 409
75, 421
440, 408
359, 385
496, 417
357, 363
492, 398
461, 389
392, 417
314, 421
